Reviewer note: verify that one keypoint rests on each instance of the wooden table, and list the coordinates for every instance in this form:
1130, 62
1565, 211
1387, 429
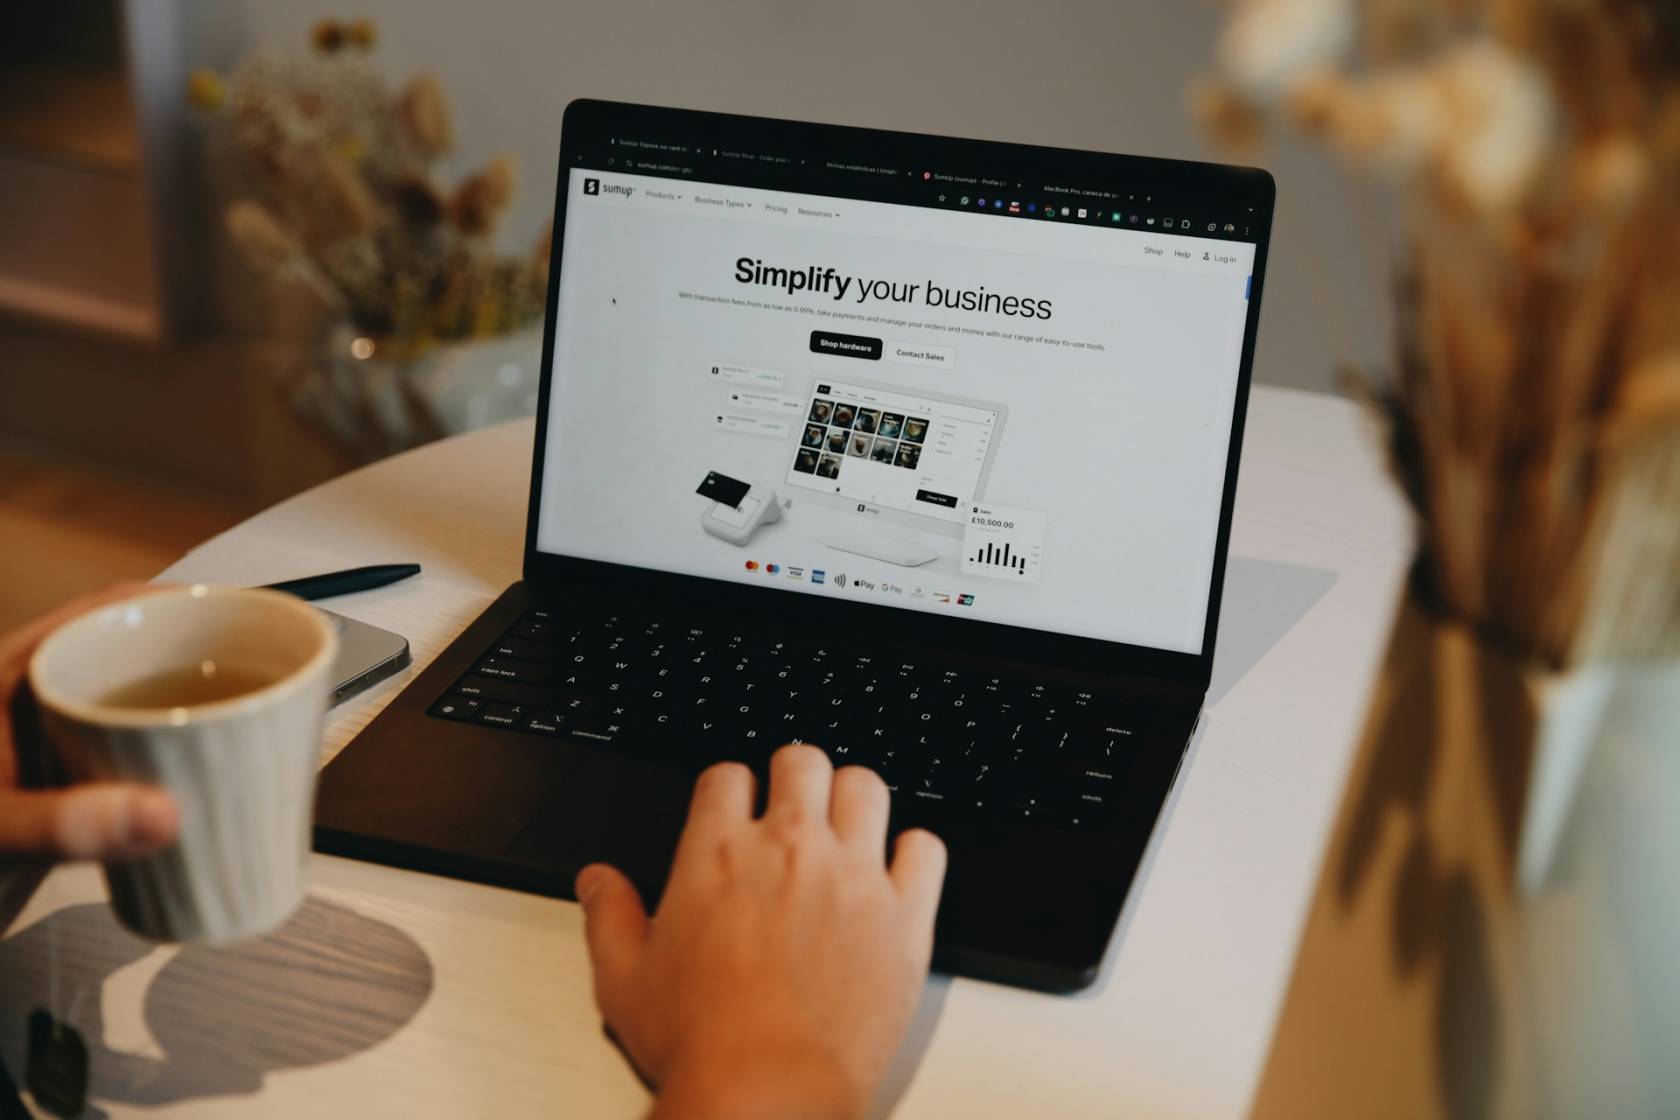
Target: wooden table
401, 994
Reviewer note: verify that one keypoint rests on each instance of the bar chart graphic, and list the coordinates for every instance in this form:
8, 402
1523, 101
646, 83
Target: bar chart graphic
1001, 542
994, 556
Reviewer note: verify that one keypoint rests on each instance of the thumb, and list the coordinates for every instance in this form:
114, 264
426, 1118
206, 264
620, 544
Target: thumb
615, 925
104, 820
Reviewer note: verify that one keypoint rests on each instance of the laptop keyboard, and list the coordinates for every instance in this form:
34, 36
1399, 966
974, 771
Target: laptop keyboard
693, 692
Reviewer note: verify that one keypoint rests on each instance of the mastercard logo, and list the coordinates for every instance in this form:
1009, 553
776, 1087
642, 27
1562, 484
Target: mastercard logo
752, 565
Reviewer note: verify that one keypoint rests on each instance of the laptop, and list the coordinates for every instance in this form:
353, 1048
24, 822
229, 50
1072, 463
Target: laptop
918, 449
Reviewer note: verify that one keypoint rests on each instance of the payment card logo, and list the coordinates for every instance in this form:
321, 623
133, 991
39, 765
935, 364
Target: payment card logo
816, 575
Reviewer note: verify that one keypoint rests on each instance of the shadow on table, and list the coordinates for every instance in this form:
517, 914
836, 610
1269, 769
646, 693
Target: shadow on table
929, 1010
1405, 968
1263, 601
328, 984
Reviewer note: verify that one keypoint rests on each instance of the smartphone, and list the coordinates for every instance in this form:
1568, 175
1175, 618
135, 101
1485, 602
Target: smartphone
366, 656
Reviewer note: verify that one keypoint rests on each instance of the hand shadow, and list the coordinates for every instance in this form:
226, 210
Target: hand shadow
328, 984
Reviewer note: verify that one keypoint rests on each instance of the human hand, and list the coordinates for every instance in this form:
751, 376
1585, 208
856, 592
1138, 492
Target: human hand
781, 969
94, 820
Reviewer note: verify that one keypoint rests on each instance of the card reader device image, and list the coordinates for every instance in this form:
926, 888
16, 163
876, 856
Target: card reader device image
738, 509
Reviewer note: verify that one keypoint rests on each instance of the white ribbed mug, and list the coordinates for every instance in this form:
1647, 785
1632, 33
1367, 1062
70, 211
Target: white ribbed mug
241, 769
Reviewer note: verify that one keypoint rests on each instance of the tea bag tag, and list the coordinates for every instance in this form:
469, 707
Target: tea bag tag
57, 1072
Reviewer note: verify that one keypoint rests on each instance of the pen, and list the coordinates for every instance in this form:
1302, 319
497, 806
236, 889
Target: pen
328, 584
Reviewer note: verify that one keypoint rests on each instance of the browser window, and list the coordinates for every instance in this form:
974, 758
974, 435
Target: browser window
1022, 422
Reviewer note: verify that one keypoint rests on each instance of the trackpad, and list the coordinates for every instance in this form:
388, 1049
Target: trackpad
611, 809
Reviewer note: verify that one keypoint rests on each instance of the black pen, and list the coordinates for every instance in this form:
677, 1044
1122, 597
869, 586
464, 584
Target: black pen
328, 584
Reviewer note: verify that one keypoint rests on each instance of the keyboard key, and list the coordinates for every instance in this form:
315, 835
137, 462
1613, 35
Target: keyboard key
507, 692
503, 715
573, 703
544, 723
598, 728
534, 631
507, 668
455, 706
524, 650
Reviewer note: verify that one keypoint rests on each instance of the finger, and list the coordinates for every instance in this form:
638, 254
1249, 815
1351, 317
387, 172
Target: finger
615, 926
800, 779
103, 820
723, 799
722, 802
918, 871
859, 809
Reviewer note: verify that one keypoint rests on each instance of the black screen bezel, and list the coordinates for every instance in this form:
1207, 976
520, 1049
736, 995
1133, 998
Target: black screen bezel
1201, 186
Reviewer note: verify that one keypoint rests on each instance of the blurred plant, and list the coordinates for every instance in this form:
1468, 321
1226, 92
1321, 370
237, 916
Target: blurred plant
344, 205
1535, 419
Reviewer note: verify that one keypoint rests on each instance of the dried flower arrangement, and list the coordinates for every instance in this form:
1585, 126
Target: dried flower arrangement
344, 204
1535, 420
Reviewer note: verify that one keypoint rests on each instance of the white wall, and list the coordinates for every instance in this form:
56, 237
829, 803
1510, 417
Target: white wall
1087, 74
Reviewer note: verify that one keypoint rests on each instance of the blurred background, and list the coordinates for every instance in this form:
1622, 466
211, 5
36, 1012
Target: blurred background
246, 247
155, 386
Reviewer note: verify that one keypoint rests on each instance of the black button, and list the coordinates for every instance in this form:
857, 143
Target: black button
512, 669
458, 707
508, 692
544, 723
846, 345
505, 714
949, 501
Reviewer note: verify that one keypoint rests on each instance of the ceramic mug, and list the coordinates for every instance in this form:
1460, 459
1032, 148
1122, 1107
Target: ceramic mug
241, 767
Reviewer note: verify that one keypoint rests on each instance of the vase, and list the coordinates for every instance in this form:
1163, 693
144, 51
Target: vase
373, 404
1493, 929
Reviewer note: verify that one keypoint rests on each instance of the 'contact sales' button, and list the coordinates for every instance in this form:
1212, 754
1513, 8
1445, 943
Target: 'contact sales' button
846, 345
915, 354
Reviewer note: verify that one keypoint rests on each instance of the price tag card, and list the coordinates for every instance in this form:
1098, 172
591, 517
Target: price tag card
1002, 542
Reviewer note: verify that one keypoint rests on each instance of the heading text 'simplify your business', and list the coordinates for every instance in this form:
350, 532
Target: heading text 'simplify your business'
828, 281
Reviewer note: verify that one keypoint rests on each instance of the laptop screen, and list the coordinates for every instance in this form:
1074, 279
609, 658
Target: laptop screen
992, 396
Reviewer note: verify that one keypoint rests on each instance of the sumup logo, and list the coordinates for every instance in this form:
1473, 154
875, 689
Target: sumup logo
595, 186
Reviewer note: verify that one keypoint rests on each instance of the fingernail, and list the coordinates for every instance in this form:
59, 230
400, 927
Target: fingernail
588, 880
